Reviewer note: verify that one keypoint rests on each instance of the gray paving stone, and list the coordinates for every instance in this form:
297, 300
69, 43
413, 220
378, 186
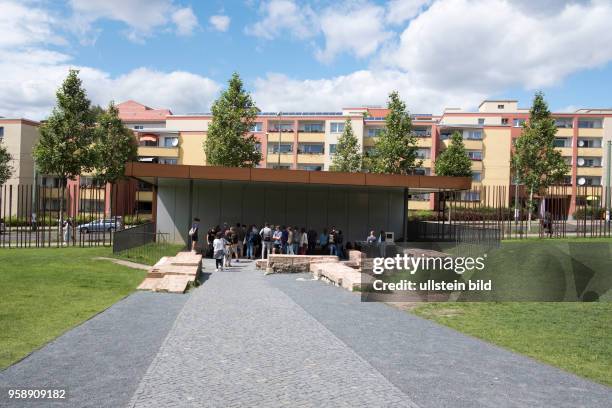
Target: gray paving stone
241, 342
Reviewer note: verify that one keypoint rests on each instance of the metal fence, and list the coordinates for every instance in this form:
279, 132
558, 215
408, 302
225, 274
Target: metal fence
73, 215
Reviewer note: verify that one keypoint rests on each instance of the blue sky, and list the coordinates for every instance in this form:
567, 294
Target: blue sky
305, 55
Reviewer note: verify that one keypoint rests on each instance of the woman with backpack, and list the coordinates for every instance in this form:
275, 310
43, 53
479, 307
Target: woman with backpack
219, 251
193, 234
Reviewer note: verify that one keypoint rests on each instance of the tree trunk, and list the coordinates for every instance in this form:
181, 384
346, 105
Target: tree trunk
529, 208
60, 225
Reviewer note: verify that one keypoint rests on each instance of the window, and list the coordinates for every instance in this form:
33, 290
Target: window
589, 142
589, 123
473, 135
369, 150
1, 132
419, 197
279, 166
565, 123
332, 148
475, 154
500, 106
476, 176
589, 181
588, 162
422, 171
50, 182
504, 121
148, 143
258, 147
423, 153
310, 167
481, 121
86, 181
337, 127
311, 148
518, 122
285, 148
567, 180
422, 132
470, 196
137, 127
167, 160
445, 135
171, 141
314, 127
257, 126
284, 127
561, 142
374, 132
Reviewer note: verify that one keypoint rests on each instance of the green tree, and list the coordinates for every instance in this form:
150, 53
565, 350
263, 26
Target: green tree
6, 170
396, 149
348, 154
535, 161
114, 146
454, 160
228, 142
64, 147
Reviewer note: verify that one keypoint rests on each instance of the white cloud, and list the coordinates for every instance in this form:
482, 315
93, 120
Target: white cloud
491, 45
185, 21
219, 22
284, 16
279, 92
22, 26
142, 17
399, 11
354, 27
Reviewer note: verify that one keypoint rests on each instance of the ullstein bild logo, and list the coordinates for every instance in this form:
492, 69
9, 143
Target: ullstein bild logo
413, 264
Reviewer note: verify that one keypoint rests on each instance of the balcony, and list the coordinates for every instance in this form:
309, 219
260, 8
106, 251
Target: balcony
285, 137
565, 151
565, 132
421, 142
590, 132
151, 151
590, 151
590, 171
310, 158
285, 158
318, 137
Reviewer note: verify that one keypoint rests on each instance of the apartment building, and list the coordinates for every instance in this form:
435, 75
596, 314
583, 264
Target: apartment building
307, 140
18, 136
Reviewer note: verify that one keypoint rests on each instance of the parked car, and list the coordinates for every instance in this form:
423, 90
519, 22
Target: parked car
99, 226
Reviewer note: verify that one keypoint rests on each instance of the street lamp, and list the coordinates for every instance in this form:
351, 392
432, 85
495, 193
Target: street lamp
280, 115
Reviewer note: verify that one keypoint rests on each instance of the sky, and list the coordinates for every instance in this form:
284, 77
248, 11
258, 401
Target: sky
315, 55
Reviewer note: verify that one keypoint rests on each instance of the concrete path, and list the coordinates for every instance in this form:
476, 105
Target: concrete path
100, 362
129, 264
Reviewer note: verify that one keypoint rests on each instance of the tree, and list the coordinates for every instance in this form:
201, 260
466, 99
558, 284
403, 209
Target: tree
396, 149
64, 147
454, 161
114, 146
535, 161
6, 170
348, 155
228, 142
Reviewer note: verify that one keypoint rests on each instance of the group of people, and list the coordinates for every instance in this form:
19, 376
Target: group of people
231, 243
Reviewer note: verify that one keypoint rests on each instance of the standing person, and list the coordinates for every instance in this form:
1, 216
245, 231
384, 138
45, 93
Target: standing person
331, 241
240, 230
211, 235
266, 238
276, 239
312, 241
296, 240
219, 251
249, 240
193, 234
284, 238
227, 236
234, 243
67, 230
340, 244
371, 239
382, 238
290, 237
324, 240
304, 243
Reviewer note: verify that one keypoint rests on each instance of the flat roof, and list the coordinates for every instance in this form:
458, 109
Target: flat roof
152, 172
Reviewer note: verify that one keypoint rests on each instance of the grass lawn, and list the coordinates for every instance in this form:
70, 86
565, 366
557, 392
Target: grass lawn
45, 292
149, 254
576, 337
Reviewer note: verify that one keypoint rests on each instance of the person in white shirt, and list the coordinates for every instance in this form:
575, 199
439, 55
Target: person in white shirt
303, 242
219, 251
266, 239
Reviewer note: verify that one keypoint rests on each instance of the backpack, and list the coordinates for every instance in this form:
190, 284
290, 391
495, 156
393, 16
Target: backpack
192, 231
267, 235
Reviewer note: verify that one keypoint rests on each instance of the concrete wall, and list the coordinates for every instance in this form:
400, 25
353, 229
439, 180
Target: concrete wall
355, 210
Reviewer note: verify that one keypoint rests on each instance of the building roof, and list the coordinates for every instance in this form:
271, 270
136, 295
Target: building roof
151, 172
132, 111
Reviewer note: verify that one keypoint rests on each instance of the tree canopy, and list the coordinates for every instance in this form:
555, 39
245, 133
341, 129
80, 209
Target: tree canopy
228, 142
6, 170
454, 160
396, 149
348, 153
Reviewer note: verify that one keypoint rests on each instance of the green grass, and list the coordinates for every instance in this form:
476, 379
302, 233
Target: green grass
576, 337
45, 292
149, 254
